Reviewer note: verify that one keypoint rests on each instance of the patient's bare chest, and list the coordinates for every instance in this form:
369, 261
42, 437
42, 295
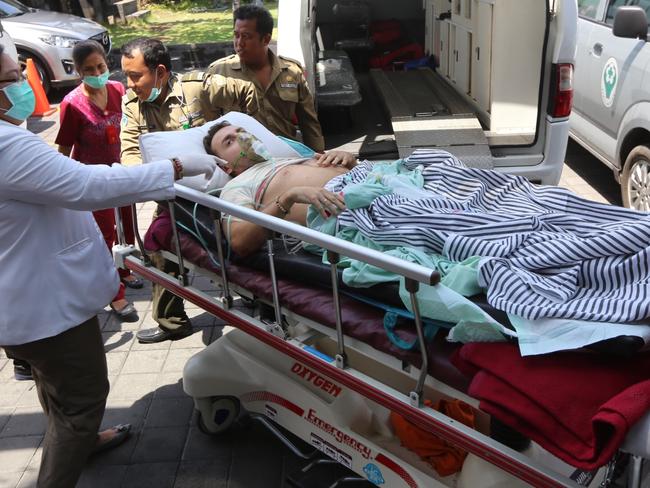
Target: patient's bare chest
299, 175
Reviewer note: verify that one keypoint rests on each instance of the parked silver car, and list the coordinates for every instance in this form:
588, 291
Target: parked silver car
7, 43
48, 38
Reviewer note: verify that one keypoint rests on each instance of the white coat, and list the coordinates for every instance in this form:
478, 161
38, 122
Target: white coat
55, 269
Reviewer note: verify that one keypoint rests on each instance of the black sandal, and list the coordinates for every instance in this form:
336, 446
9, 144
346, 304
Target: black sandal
136, 283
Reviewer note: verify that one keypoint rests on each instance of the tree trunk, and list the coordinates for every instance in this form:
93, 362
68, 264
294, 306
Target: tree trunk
99, 10
87, 9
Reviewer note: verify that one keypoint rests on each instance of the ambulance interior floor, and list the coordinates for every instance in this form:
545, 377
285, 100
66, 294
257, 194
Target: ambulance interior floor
363, 129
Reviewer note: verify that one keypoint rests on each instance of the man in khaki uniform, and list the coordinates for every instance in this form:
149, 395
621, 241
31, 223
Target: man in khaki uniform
158, 100
282, 90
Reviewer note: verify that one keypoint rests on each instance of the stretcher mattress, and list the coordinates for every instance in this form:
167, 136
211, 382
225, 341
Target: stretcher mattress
306, 268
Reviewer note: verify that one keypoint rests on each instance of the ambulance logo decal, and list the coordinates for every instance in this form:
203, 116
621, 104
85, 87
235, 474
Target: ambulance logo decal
608, 82
374, 474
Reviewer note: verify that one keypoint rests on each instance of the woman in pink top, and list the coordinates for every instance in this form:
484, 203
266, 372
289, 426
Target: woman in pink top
90, 133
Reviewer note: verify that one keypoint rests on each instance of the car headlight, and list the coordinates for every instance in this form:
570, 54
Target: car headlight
59, 41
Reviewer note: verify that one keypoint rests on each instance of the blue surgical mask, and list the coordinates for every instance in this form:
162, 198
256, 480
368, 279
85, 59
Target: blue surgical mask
97, 81
22, 100
155, 91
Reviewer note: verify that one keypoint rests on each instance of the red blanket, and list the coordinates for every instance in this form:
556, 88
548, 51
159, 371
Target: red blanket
578, 406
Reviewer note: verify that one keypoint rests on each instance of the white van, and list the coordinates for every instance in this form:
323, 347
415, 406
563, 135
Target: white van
611, 116
500, 96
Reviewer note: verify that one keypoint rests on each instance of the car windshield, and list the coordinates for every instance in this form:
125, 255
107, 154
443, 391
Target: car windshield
12, 8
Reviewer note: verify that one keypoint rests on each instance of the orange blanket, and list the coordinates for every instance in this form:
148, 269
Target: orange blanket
445, 458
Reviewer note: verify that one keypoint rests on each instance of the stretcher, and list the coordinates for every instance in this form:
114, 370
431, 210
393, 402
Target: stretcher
319, 365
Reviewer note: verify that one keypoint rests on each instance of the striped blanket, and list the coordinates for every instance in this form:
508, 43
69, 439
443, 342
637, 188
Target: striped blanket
546, 252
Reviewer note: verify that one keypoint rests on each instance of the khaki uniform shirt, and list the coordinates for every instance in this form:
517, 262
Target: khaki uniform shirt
287, 95
193, 99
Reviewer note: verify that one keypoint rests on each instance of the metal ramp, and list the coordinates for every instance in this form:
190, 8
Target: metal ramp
426, 112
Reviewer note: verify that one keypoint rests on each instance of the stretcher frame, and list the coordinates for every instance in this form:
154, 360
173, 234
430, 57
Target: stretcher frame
273, 335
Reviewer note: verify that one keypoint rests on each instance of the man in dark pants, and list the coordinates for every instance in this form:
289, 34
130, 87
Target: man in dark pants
64, 397
159, 100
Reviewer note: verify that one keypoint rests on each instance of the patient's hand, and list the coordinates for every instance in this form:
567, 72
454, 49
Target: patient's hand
326, 202
336, 158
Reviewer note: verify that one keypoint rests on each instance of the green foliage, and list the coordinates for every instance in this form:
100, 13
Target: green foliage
184, 22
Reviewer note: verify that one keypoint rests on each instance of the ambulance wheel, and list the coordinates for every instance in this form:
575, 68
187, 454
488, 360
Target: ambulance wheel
223, 412
635, 179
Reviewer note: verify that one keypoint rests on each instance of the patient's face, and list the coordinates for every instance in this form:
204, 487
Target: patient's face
226, 146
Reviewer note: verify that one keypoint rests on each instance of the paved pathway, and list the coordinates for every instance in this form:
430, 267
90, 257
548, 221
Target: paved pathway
167, 449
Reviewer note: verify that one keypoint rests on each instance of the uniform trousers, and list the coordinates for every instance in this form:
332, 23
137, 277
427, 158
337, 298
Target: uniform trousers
71, 379
168, 310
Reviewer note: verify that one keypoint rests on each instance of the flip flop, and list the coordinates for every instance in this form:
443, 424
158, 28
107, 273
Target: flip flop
122, 432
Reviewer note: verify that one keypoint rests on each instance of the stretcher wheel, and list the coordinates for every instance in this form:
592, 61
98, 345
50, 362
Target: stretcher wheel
223, 412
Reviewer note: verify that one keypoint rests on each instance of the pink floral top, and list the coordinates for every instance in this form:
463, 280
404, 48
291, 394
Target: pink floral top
93, 133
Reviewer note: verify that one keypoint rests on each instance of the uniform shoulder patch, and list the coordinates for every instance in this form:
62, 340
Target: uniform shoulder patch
290, 61
194, 76
129, 96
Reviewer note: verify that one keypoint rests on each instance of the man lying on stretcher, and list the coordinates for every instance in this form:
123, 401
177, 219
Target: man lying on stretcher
278, 187
554, 262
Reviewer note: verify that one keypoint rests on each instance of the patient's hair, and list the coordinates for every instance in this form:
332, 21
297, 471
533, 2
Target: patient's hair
263, 19
153, 51
207, 140
84, 49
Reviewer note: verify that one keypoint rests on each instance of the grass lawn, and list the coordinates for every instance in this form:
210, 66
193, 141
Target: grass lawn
178, 24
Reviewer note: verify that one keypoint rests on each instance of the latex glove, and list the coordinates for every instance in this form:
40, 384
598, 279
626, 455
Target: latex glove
198, 164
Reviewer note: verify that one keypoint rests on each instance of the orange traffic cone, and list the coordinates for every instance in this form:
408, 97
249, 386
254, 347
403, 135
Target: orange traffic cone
42, 108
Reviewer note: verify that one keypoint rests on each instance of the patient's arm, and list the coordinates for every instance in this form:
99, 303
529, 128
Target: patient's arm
245, 237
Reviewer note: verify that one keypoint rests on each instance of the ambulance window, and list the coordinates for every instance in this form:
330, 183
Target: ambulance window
588, 8
612, 6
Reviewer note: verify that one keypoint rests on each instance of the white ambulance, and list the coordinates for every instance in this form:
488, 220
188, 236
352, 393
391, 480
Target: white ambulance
501, 92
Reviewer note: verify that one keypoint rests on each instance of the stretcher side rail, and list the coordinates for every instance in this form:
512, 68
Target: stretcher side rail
456, 433
413, 271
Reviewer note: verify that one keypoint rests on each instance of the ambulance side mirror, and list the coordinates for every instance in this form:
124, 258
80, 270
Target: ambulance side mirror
631, 23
